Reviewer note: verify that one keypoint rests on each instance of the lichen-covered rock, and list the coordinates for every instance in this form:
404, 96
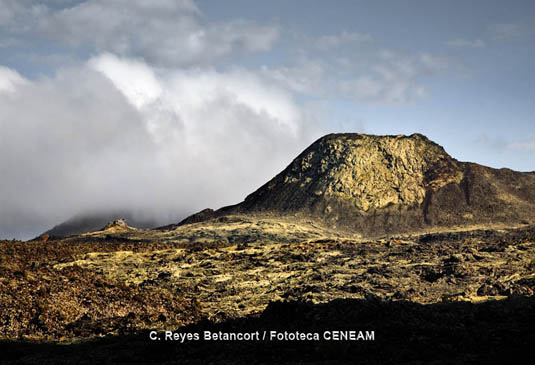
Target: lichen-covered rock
387, 184
370, 171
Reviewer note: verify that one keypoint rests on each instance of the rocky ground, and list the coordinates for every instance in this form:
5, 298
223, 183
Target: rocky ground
252, 272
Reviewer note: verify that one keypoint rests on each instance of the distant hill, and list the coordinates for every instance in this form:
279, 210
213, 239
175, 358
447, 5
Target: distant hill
390, 184
90, 222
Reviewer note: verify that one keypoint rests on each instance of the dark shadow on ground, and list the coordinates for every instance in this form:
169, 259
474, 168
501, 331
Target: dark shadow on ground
405, 332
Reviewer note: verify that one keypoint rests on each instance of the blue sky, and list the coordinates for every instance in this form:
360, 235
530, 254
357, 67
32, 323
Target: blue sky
480, 106
167, 107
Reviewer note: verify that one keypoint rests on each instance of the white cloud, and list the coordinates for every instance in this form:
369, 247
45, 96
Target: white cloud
241, 33
358, 69
140, 90
20, 15
308, 77
511, 30
9, 80
500, 144
494, 143
397, 76
476, 43
329, 42
165, 32
373, 75
118, 133
168, 33
393, 77
526, 145
7, 11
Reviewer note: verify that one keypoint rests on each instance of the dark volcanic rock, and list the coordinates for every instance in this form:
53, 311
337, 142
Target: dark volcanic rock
203, 215
403, 333
389, 184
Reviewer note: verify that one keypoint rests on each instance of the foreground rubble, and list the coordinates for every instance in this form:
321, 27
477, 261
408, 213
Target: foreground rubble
99, 284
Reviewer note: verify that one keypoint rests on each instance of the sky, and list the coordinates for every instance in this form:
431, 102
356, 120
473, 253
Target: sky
167, 107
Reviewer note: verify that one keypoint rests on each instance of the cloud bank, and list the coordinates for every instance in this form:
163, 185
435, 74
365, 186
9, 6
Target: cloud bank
116, 133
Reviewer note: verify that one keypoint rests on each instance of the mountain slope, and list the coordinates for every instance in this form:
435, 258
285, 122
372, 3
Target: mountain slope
84, 223
390, 184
